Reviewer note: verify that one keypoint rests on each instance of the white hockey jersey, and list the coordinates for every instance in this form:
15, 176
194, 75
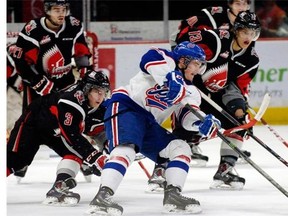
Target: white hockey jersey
147, 89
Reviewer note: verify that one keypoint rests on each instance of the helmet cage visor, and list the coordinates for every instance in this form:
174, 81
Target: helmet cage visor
203, 63
89, 86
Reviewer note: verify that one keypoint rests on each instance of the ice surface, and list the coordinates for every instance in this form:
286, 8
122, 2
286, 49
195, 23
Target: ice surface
258, 198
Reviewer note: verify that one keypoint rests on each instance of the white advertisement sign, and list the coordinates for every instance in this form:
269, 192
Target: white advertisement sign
272, 76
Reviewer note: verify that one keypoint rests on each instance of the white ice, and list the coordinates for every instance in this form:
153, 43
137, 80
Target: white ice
258, 198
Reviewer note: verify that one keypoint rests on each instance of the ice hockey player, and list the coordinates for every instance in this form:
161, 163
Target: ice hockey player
215, 17
59, 120
232, 62
44, 51
162, 86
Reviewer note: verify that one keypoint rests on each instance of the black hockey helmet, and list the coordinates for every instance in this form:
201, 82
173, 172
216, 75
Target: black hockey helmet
231, 1
247, 19
49, 3
95, 79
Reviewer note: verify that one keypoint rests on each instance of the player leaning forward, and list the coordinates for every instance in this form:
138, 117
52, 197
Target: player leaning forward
59, 121
163, 85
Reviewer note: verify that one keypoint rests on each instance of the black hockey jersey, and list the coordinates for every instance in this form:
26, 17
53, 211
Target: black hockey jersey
208, 18
68, 115
41, 51
224, 65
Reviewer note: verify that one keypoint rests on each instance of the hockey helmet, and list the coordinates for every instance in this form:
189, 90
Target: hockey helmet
49, 3
95, 79
190, 51
247, 19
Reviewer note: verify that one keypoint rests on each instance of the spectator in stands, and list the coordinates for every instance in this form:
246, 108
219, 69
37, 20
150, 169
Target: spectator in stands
271, 17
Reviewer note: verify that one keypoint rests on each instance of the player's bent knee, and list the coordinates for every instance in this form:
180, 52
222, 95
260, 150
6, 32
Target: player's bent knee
123, 152
175, 149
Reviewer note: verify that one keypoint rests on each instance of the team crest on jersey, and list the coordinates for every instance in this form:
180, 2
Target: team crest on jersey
54, 63
224, 34
155, 96
45, 39
74, 21
215, 10
30, 26
79, 95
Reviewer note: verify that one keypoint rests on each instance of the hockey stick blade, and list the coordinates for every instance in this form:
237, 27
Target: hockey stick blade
243, 155
263, 107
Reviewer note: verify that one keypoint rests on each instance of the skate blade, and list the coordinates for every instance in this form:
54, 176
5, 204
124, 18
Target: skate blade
19, 179
154, 189
190, 209
220, 185
88, 178
95, 210
53, 201
198, 163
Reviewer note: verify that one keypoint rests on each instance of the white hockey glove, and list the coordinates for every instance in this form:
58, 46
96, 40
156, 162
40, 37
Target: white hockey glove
44, 86
96, 161
209, 126
176, 89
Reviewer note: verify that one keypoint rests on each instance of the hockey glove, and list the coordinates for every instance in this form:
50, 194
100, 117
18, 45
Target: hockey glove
209, 126
96, 161
246, 119
176, 89
44, 86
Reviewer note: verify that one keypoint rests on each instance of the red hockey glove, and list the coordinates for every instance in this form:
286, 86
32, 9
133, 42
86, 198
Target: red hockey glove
96, 161
44, 86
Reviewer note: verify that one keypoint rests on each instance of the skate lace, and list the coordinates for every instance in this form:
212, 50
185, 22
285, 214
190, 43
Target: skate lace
108, 198
229, 169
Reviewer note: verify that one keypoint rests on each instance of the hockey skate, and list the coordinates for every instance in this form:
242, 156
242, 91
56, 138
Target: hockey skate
225, 179
198, 160
174, 202
59, 194
20, 174
102, 204
156, 182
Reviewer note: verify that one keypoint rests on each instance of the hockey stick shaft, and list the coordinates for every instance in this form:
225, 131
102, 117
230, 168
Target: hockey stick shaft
244, 156
258, 116
144, 169
270, 128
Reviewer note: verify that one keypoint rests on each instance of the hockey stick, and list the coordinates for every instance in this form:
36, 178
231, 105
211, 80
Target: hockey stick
138, 158
270, 128
244, 156
144, 169
266, 100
